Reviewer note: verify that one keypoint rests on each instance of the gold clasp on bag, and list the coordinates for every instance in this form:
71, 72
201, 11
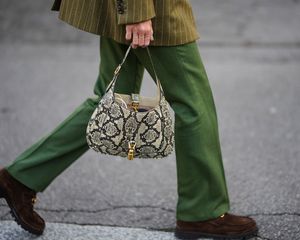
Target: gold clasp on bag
135, 101
135, 106
131, 146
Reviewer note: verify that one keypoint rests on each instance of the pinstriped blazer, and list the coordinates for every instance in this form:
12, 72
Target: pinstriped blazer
172, 20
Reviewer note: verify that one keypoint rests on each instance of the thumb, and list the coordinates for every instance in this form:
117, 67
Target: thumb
128, 32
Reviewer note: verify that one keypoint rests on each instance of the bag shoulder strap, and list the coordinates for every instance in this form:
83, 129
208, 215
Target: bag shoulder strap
117, 71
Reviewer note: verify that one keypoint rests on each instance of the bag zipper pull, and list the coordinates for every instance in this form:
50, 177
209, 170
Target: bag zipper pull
131, 146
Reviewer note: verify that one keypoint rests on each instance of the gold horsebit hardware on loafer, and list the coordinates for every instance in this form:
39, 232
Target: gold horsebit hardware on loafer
33, 200
222, 215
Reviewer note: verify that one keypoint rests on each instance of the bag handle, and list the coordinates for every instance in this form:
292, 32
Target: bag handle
117, 71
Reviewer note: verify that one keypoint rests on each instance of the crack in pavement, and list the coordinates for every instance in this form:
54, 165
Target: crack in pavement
148, 206
101, 210
141, 207
108, 209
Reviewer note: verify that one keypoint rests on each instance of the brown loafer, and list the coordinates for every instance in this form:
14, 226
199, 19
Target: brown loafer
227, 226
21, 199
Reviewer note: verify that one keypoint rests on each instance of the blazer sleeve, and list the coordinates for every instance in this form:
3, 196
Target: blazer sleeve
133, 11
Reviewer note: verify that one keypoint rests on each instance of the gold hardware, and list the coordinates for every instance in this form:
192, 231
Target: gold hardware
130, 154
117, 69
131, 146
222, 215
135, 106
135, 101
33, 200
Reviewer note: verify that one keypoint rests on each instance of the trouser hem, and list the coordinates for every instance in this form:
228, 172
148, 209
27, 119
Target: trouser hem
24, 180
225, 208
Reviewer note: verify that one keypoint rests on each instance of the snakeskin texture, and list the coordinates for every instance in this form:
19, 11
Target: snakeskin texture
112, 126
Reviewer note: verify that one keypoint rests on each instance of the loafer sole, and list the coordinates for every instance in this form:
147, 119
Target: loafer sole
188, 235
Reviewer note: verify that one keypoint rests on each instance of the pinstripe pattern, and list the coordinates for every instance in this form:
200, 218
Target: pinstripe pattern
173, 20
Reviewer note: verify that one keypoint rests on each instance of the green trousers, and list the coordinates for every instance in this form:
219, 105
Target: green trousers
201, 184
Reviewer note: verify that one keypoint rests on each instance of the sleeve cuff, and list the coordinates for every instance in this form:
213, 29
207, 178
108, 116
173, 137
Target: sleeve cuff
134, 11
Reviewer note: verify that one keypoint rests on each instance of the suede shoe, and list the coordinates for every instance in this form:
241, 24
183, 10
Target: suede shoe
227, 226
21, 199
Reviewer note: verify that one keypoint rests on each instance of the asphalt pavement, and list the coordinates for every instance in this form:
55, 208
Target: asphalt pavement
251, 51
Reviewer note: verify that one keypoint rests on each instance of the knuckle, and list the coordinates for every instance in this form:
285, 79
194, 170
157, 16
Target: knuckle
143, 31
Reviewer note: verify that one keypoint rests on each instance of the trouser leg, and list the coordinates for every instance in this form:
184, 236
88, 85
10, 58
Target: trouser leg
202, 190
37, 166
41, 163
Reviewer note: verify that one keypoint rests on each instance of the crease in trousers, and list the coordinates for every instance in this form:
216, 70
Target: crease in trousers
201, 183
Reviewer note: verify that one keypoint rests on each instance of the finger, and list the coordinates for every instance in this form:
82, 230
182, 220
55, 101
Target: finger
147, 40
141, 40
133, 45
152, 38
128, 34
135, 39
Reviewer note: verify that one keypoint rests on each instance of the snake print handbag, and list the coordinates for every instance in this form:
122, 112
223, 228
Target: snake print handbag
131, 125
